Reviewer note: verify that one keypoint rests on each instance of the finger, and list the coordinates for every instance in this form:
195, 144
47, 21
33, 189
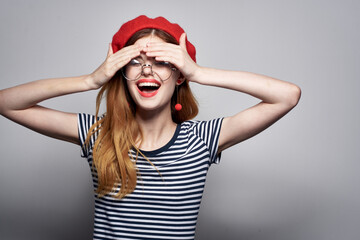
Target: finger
123, 59
162, 49
110, 50
157, 53
133, 51
130, 48
160, 56
182, 41
160, 46
165, 59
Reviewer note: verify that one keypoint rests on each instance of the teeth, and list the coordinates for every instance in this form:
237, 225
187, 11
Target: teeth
148, 84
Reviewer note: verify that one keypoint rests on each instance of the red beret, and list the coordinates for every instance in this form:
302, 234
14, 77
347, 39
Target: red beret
141, 22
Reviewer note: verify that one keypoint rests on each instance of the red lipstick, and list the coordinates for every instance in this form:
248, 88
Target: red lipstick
148, 87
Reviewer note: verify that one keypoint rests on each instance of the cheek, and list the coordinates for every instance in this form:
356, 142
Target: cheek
130, 86
170, 90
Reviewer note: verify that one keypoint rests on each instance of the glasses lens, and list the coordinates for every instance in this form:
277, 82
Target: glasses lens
162, 69
132, 70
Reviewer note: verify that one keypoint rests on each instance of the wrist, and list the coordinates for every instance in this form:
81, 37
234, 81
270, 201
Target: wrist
196, 75
90, 83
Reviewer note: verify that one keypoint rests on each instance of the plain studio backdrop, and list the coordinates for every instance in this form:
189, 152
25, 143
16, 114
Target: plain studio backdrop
297, 180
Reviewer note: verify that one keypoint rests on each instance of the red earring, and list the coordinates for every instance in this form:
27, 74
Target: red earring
178, 106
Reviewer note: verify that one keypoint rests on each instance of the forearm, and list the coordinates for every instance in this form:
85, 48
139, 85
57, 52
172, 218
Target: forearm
27, 95
267, 89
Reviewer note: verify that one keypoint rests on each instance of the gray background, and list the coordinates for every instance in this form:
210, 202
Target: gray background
297, 180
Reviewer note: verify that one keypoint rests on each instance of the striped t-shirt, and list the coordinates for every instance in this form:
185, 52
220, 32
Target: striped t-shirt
162, 206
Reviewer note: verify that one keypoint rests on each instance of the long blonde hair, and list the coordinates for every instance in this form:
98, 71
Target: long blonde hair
118, 130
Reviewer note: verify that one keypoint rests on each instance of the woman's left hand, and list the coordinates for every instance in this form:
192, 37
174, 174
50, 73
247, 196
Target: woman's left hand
176, 55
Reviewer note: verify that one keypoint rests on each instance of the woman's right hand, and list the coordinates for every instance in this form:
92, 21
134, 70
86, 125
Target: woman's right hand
113, 63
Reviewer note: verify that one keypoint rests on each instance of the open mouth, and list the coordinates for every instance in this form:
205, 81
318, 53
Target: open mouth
148, 87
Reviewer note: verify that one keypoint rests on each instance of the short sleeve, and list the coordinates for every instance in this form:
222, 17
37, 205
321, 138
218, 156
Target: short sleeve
85, 121
209, 132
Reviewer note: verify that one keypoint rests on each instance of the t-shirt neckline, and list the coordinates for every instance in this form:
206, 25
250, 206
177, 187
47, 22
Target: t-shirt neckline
165, 147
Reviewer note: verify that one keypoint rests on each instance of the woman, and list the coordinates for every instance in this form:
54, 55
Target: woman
149, 160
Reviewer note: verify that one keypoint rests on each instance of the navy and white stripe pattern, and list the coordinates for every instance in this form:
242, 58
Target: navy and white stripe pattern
165, 205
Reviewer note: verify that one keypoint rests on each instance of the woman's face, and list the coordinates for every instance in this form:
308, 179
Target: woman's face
151, 91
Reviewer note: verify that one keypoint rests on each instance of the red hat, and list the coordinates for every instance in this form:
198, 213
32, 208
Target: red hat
141, 22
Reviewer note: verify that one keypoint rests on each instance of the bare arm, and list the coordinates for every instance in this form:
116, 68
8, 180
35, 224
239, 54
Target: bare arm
278, 98
20, 103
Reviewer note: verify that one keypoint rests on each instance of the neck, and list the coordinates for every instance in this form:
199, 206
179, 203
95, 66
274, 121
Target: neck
157, 128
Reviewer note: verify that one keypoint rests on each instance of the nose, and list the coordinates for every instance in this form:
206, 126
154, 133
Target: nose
147, 69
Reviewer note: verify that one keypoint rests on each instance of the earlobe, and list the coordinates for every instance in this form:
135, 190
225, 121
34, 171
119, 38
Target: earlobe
180, 80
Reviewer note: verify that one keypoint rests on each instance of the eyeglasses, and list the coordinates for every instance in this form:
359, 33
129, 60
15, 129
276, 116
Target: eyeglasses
135, 69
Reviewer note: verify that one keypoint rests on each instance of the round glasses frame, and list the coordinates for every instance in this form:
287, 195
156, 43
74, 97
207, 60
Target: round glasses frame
143, 66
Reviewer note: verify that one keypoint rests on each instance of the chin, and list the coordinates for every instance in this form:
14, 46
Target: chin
152, 107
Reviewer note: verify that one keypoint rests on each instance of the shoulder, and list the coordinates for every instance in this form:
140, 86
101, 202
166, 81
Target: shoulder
201, 128
202, 124
204, 134
85, 130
